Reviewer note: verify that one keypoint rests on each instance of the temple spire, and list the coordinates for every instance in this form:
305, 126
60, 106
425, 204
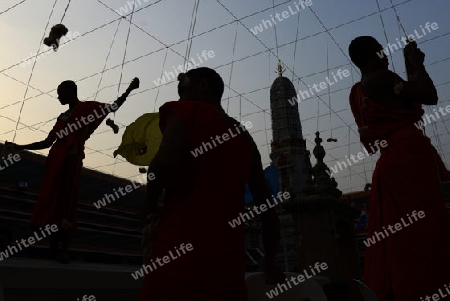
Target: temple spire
280, 68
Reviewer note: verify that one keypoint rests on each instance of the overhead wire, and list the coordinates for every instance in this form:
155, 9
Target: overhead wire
32, 71
65, 11
259, 40
162, 73
125, 51
107, 58
12, 7
191, 31
275, 28
295, 47
121, 69
329, 89
206, 31
232, 65
293, 73
262, 43
385, 33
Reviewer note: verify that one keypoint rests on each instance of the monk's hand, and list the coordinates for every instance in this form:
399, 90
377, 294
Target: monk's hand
134, 84
12, 146
273, 275
9, 145
413, 54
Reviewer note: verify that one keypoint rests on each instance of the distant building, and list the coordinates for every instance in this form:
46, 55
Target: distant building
316, 225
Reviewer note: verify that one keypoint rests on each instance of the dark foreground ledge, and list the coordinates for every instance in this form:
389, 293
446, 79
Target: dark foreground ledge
28, 279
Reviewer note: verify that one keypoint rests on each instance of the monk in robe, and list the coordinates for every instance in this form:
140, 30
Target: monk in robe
412, 260
203, 193
57, 200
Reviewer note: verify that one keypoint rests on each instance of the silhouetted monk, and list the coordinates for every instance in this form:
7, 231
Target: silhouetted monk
57, 200
409, 256
203, 193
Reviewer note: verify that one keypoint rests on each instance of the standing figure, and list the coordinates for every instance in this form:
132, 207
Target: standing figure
57, 200
409, 255
204, 162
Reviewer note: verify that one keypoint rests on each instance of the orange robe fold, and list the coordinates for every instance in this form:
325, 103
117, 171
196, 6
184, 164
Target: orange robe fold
57, 198
413, 262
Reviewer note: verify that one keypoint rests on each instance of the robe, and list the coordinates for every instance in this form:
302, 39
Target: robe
208, 194
57, 198
414, 261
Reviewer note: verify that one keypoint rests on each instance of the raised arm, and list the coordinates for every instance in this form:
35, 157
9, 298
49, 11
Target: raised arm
386, 87
119, 101
419, 86
46, 143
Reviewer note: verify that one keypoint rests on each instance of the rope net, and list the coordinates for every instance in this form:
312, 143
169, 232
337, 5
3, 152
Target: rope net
111, 42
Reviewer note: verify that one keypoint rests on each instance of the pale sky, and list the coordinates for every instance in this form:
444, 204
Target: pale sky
159, 39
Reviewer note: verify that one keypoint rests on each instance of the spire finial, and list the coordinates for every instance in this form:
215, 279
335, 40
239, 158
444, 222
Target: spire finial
280, 68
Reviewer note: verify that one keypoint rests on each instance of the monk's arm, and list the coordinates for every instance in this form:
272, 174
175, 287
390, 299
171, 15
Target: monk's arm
166, 160
381, 87
119, 101
420, 88
46, 143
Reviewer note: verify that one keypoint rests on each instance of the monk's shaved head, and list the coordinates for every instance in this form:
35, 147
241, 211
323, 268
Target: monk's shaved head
215, 82
362, 50
67, 86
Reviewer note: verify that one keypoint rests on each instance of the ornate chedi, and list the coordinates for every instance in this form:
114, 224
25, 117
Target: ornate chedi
316, 225
291, 159
289, 153
322, 184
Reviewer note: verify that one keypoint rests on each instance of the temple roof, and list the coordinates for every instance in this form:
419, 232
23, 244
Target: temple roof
282, 82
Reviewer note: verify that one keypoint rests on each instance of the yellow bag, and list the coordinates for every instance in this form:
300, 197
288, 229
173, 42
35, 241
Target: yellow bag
141, 140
